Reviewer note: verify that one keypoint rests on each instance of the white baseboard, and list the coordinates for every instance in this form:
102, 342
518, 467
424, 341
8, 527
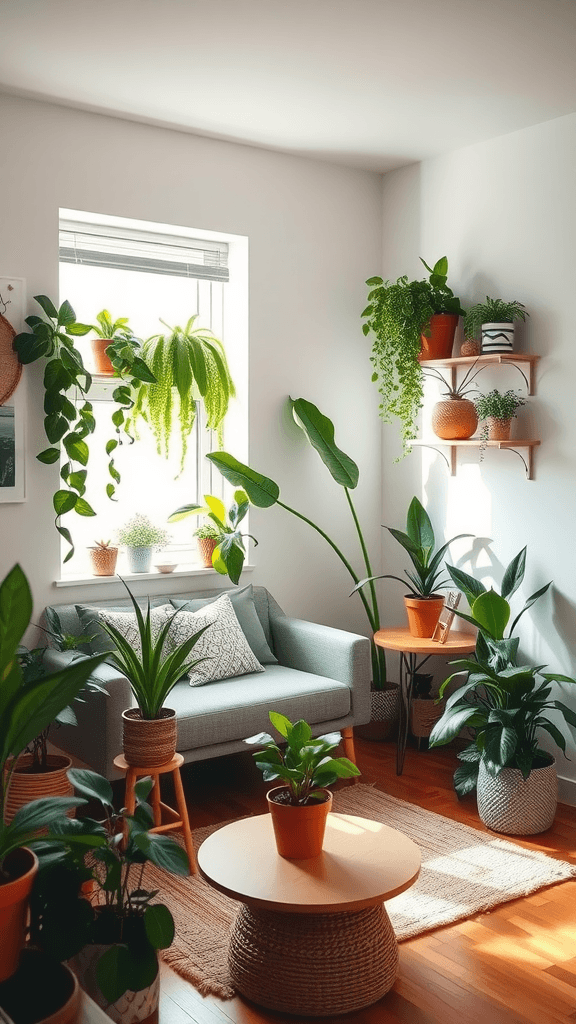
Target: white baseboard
567, 791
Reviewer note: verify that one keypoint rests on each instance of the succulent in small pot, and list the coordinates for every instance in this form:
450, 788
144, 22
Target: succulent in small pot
141, 536
300, 808
455, 418
495, 318
103, 556
497, 409
150, 732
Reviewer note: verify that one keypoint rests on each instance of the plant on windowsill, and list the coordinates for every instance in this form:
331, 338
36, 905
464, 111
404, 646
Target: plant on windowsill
141, 536
103, 556
505, 704
190, 366
495, 319
299, 808
497, 409
220, 542
112, 935
404, 317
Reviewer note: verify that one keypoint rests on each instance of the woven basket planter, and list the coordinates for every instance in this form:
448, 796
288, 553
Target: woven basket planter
498, 430
424, 713
149, 742
517, 806
384, 712
132, 1007
206, 546
454, 419
26, 786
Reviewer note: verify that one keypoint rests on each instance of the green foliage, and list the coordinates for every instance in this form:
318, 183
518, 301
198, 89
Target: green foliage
27, 708
493, 311
264, 492
151, 673
305, 765
140, 532
189, 364
500, 405
122, 916
397, 314
420, 543
229, 554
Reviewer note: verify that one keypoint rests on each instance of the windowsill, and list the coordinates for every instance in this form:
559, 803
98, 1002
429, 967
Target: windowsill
82, 581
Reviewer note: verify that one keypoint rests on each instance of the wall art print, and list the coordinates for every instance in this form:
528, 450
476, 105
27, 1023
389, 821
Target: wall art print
12, 452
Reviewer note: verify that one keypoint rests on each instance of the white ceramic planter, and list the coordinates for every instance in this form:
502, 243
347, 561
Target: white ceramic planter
497, 337
139, 559
517, 806
132, 1007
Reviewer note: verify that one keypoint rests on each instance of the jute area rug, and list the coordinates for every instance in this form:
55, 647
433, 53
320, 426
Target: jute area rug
464, 872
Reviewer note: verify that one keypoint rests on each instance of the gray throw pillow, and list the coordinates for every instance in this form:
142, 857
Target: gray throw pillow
91, 625
243, 605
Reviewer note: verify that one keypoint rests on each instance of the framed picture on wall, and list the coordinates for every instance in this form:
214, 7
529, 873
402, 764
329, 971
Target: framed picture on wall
12, 400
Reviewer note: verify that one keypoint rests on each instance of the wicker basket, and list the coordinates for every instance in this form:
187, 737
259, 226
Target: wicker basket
26, 786
149, 742
384, 711
454, 419
517, 806
498, 430
424, 713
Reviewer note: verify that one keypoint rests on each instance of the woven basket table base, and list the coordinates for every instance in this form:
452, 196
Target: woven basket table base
313, 964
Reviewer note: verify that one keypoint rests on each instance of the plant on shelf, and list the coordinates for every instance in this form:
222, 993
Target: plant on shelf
505, 704
152, 671
119, 914
455, 418
190, 365
264, 492
493, 311
227, 552
497, 409
26, 709
307, 768
423, 602
141, 536
399, 314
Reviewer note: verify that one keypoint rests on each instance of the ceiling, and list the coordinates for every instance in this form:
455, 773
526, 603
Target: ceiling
368, 83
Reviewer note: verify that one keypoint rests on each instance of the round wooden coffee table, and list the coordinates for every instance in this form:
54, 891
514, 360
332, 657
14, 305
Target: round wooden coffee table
312, 936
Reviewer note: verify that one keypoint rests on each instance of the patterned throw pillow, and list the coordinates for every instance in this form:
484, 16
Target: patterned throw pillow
125, 623
223, 645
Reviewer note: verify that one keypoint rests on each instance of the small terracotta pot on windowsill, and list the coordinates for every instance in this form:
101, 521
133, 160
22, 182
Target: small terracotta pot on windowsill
206, 547
102, 362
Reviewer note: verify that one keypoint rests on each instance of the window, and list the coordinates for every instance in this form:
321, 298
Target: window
152, 273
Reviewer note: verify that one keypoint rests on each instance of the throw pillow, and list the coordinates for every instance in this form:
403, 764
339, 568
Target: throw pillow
89, 616
126, 624
243, 604
223, 646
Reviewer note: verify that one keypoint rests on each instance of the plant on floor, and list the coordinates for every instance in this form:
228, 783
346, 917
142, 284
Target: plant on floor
190, 365
305, 763
397, 314
264, 492
493, 311
119, 913
229, 554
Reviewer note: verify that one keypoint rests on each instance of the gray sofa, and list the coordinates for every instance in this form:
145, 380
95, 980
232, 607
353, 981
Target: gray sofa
318, 673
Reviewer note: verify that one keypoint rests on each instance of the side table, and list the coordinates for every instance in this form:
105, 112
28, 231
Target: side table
411, 648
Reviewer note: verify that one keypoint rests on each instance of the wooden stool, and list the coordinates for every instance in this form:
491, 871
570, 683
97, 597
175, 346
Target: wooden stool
176, 819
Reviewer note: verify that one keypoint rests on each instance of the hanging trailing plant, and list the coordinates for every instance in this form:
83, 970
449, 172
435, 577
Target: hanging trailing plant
190, 365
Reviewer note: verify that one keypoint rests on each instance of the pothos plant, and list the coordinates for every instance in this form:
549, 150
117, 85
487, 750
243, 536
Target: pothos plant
229, 554
264, 492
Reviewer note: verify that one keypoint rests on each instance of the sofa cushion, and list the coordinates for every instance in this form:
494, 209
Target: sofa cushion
238, 707
222, 650
83, 620
243, 604
127, 624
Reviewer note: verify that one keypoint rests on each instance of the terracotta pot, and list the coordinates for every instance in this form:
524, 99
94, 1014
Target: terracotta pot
424, 713
470, 348
498, 430
299, 831
101, 360
423, 614
22, 866
130, 1008
441, 341
497, 337
517, 806
42, 990
384, 711
27, 786
206, 546
454, 419
103, 561
149, 742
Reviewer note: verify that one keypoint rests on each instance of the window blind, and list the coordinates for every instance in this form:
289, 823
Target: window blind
97, 245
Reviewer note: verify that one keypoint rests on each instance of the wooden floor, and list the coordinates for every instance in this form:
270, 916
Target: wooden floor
515, 964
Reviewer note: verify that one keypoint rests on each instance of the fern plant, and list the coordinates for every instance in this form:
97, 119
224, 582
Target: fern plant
493, 311
190, 365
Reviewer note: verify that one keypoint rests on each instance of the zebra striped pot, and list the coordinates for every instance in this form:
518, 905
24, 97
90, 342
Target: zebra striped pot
497, 338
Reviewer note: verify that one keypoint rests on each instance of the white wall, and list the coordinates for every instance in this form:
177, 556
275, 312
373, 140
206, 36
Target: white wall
504, 212
314, 237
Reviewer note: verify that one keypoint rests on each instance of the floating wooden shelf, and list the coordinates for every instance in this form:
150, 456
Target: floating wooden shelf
476, 442
515, 358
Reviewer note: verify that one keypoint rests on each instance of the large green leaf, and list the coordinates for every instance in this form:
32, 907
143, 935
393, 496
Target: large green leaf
514, 574
470, 587
91, 785
491, 613
465, 778
320, 432
450, 724
419, 527
531, 600
163, 852
159, 925
113, 972
15, 614
228, 557
261, 491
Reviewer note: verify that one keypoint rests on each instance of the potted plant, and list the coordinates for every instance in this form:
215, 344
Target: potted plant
94, 911
425, 709
410, 320
423, 602
25, 711
220, 542
455, 417
103, 556
498, 409
495, 318
299, 809
140, 536
41, 990
505, 704
190, 365
114, 338
150, 733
